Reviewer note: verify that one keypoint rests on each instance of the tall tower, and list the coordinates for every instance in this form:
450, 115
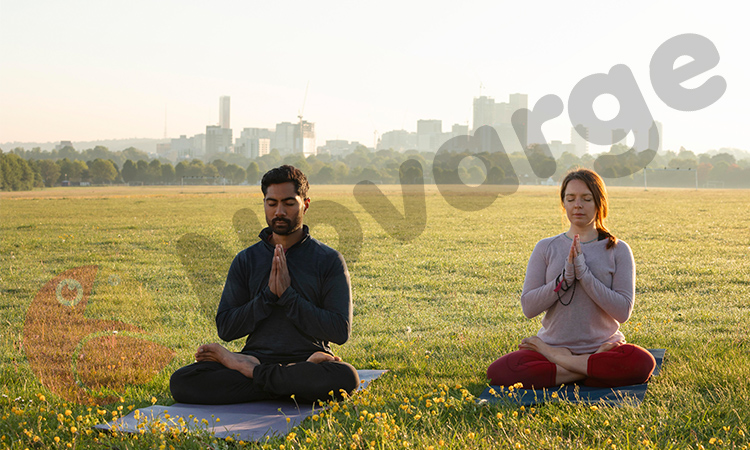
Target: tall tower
521, 101
224, 112
484, 112
579, 136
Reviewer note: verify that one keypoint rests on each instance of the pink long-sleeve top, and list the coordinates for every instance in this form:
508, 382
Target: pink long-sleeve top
604, 293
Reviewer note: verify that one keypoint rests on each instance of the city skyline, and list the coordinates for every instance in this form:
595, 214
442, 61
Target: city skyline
97, 81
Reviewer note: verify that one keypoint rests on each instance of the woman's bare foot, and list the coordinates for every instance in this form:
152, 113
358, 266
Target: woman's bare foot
319, 357
553, 354
244, 364
607, 346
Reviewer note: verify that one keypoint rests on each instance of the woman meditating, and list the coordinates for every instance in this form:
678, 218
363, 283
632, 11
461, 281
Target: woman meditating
584, 283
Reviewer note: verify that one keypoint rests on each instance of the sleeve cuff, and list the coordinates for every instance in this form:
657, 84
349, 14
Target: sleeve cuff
268, 296
286, 297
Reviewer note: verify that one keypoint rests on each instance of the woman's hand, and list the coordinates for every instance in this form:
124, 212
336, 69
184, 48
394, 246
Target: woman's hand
575, 249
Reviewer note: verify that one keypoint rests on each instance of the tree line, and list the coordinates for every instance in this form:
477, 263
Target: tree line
23, 170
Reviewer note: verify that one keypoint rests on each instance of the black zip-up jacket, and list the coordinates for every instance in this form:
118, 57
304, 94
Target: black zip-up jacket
316, 308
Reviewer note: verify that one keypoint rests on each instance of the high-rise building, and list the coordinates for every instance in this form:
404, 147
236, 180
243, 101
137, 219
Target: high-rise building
521, 102
283, 137
253, 142
579, 136
304, 138
429, 135
617, 133
398, 140
499, 116
218, 140
224, 112
655, 138
484, 112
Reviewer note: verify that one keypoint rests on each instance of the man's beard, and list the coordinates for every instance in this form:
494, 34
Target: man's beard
286, 229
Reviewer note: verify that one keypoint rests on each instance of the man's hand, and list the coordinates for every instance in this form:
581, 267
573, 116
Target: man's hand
279, 280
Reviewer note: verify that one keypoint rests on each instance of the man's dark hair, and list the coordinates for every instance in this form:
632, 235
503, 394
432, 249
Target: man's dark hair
285, 174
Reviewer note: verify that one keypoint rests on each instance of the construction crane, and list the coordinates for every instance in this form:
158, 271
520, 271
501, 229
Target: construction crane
300, 127
304, 100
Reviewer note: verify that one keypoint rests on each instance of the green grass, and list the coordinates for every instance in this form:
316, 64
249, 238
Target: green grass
436, 311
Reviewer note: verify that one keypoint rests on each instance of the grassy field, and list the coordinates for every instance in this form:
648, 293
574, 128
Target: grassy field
435, 310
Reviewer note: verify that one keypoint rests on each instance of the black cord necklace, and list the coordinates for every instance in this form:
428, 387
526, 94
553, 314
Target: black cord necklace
563, 285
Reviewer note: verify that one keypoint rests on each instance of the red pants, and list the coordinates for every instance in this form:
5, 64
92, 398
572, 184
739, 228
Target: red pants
622, 366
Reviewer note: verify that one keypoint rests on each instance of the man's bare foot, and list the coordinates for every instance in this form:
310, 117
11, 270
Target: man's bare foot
244, 364
553, 354
319, 357
607, 346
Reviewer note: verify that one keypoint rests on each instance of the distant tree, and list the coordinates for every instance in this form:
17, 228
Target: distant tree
253, 173
719, 171
704, 170
234, 173
102, 171
326, 175
167, 173
153, 173
74, 170
134, 154
141, 167
50, 172
726, 157
566, 161
412, 173
220, 165
17, 175
84, 168
98, 152
129, 171
209, 170
495, 175
68, 152
686, 154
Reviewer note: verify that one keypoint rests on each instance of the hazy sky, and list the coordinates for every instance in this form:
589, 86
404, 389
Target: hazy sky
88, 70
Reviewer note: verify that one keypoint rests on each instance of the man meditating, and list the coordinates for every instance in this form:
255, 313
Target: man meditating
290, 295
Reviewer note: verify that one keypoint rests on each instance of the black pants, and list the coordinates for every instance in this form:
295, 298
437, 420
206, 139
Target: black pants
211, 383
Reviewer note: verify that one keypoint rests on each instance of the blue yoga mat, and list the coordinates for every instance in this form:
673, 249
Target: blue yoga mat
242, 421
574, 393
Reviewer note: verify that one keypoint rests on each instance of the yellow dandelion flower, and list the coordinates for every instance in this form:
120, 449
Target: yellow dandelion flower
73, 430
471, 436
712, 441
